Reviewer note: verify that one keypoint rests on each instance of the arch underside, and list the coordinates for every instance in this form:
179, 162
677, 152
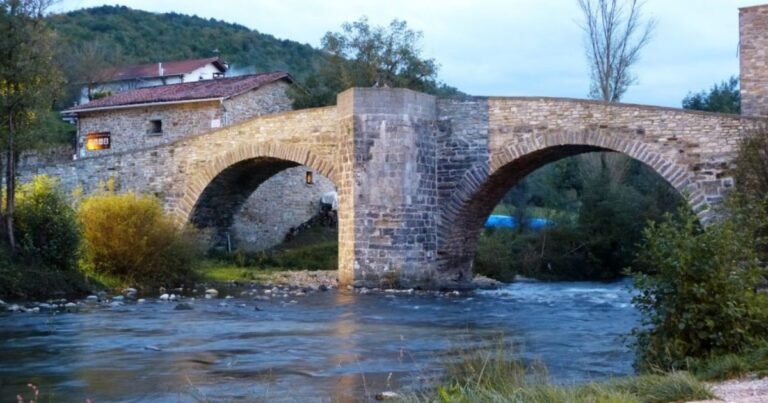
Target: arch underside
218, 190
227, 192
474, 200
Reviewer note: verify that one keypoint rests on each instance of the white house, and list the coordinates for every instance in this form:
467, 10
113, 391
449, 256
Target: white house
120, 79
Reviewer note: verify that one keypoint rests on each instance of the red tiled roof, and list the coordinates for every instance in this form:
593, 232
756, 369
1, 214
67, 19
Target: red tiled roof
172, 68
197, 90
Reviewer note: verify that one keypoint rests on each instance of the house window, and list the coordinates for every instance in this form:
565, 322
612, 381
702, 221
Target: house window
156, 126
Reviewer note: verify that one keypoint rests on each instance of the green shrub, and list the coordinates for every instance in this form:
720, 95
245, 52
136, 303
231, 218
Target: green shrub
496, 254
10, 276
697, 292
48, 240
45, 226
128, 238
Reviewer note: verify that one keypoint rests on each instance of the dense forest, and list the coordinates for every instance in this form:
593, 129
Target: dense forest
134, 36
91, 40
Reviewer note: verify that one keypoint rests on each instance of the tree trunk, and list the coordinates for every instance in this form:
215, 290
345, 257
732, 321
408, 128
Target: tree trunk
10, 185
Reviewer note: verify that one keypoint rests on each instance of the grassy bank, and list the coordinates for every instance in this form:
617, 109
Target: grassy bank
221, 271
315, 248
496, 376
753, 361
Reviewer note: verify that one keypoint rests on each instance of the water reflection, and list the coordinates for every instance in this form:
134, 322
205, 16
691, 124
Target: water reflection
347, 386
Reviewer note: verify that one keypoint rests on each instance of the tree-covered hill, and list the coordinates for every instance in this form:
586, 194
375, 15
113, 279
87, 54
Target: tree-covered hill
135, 36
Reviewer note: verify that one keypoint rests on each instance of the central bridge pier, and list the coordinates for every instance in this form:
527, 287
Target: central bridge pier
389, 209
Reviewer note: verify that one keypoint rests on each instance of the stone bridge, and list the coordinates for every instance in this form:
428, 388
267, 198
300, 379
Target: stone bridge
417, 175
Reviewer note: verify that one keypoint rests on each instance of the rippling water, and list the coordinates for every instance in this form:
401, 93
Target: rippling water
331, 346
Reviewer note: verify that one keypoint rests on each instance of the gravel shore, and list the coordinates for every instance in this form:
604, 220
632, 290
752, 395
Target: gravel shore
329, 278
740, 391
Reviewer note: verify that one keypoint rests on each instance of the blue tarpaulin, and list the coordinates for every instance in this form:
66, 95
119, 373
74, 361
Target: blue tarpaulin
505, 221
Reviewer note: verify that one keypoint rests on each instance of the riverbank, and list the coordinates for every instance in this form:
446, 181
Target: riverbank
745, 390
217, 273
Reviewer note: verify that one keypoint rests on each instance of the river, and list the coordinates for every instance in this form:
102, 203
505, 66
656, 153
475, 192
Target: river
325, 346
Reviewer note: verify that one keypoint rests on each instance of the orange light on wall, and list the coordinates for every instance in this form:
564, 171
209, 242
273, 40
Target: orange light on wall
308, 178
98, 141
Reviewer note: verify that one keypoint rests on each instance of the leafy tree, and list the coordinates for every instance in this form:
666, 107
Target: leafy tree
751, 195
615, 35
29, 80
361, 55
697, 292
723, 97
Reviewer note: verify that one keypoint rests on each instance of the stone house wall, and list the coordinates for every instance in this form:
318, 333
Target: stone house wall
271, 98
130, 128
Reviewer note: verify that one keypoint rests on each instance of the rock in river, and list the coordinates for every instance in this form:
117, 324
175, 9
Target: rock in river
183, 306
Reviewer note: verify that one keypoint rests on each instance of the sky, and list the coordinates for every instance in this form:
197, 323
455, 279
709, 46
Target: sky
505, 47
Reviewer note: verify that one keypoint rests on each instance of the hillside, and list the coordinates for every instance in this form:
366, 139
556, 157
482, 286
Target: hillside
140, 36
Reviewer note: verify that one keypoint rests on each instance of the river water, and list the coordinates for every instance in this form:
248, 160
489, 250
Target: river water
327, 346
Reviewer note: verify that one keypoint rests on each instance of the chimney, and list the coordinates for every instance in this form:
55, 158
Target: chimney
753, 60
160, 71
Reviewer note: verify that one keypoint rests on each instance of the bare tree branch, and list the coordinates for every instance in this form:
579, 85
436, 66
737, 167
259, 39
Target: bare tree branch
615, 33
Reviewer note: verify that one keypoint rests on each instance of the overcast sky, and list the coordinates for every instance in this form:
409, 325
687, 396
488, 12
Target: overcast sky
505, 47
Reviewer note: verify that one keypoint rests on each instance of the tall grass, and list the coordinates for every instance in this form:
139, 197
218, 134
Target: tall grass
497, 376
729, 366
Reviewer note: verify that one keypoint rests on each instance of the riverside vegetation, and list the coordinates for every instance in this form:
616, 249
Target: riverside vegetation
70, 244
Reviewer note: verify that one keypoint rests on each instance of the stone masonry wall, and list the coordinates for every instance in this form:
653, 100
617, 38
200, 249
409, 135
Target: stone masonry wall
392, 197
268, 99
692, 151
753, 60
281, 202
130, 127
45, 157
462, 153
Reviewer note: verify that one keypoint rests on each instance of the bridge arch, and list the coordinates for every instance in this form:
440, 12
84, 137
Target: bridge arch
217, 190
483, 187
